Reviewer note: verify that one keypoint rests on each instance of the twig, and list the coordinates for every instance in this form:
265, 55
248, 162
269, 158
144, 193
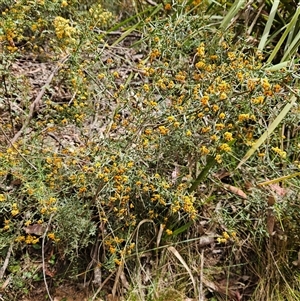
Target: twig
261, 6
34, 105
56, 139
115, 33
73, 97
43, 258
102, 285
6, 261
117, 279
201, 293
153, 3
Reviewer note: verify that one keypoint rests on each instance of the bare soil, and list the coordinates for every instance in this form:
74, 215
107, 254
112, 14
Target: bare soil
61, 293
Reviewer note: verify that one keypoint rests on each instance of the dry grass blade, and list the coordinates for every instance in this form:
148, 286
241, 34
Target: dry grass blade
102, 285
43, 257
179, 257
117, 279
159, 235
138, 229
130, 146
16, 149
141, 269
6, 261
280, 179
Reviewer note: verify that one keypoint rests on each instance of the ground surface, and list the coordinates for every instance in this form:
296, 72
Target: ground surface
62, 293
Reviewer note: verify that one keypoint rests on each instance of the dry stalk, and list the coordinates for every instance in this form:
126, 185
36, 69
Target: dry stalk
6, 261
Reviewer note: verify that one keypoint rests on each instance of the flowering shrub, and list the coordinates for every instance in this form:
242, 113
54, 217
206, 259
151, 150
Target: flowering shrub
51, 25
125, 147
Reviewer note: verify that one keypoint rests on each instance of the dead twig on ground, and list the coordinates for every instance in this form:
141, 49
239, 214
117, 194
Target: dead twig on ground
6, 261
34, 106
102, 285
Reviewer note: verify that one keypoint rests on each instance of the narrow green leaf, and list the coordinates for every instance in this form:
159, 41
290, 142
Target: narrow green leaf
283, 37
268, 132
211, 161
125, 34
278, 66
182, 229
140, 16
292, 47
232, 13
268, 26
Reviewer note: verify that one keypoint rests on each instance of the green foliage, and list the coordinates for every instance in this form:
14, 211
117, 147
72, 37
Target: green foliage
118, 152
272, 24
44, 26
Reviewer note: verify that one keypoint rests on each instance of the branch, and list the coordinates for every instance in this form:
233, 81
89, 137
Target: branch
33, 107
6, 261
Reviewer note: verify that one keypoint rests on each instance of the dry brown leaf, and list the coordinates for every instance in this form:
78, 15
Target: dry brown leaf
124, 280
6, 283
206, 240
274, 186
36, 229
280, 191
271, 200
222, 288
110, 297
270, 222
235, 190
222, 174
248, 186
175, 174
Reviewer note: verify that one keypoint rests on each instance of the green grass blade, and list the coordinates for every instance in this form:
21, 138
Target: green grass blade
268, 26
232, 13
283, 37
182, 229
290, 37
269, 131
212, 6
125, 34
278, 66
140, 17
134, 27
211, 161
292, 47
